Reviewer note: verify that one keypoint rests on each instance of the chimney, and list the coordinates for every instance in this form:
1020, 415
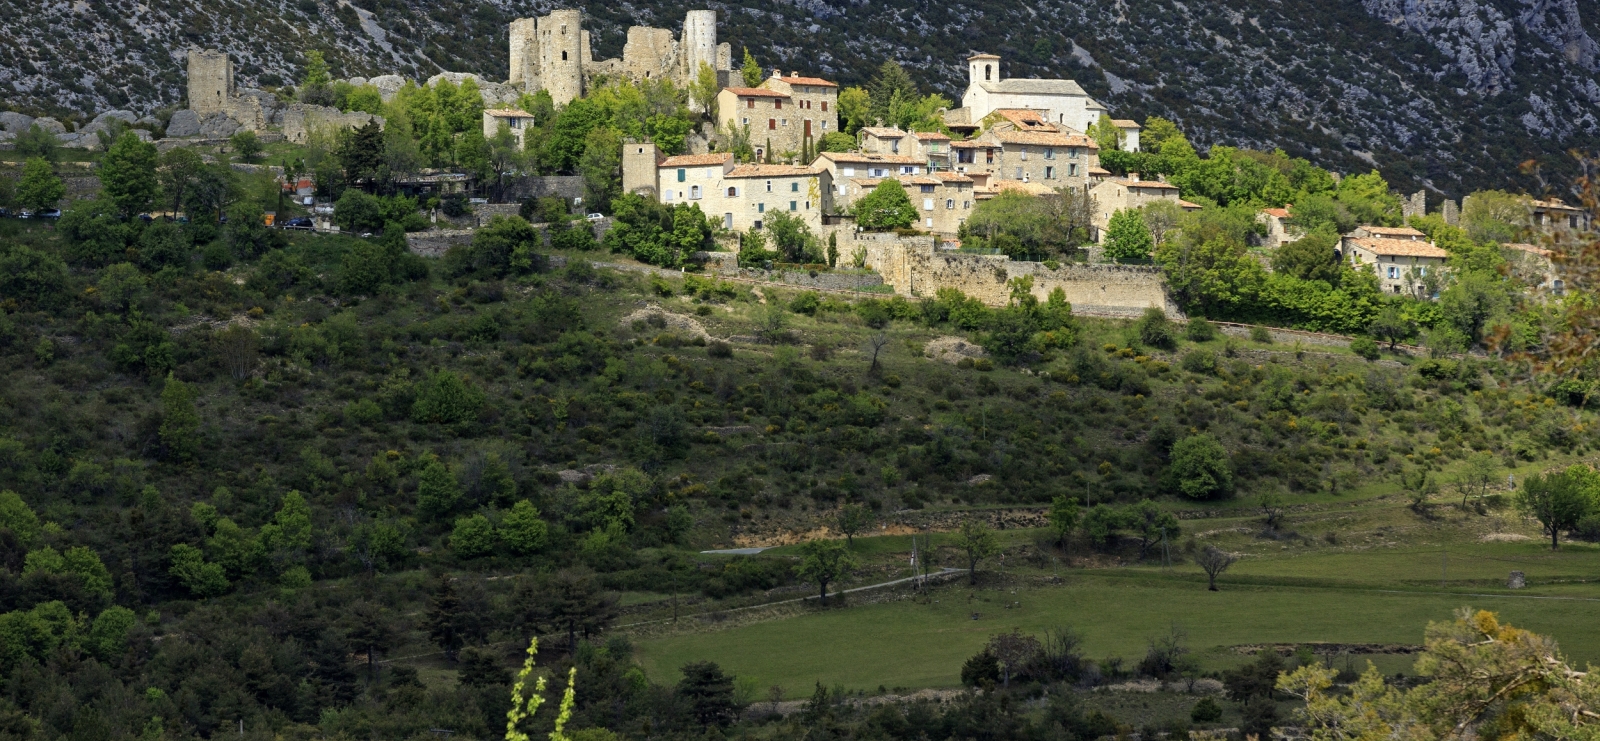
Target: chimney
1133, 176
795, 73
777, 72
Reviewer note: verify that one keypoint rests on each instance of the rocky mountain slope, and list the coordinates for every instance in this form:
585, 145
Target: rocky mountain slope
1449, 94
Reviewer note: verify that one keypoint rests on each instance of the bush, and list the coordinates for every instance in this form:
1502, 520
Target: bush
806, 303
455, 205
1200, 330
1200, 361
1206, 711
1201, 467
719, 349
1155, 330
1261, 335
1365, 347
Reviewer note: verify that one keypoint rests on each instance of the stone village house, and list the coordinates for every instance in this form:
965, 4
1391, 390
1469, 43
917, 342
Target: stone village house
738, 197
783, 114
1114, 195
1401, 257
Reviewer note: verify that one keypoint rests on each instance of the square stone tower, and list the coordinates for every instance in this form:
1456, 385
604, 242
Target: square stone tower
210, 80
640, 160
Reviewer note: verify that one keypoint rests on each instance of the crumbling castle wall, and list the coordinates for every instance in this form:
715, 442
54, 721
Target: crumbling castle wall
554, 53
300, 119
915, 267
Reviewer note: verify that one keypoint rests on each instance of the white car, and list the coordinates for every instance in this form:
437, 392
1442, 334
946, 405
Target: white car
595, 217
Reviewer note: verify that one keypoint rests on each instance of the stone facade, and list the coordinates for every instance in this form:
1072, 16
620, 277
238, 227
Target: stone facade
783, 114
915, 267
553, 53
300, 119
639, 162
1401, 257
1112, 196
1062, 102
210, 80
740, 196
943, 200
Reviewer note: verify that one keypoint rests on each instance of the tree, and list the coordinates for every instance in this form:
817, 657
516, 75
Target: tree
1478, 473
128, 174
1106, 134
438, 491
1392, 326
37, 142
709, 694
703, 91
1214, 561
855, 111
246, 144
1557, 499
1013, 653
288, 536
370, 631
444, 618
569, 601
472, 537
180, 423
791, 237
601, 167
523, 529
1157, 132
890, 88
978, 540
1495, 216
1472, 302
1270, 504
191, 570
1155, 330
824, 561
39, 189
853, 518
1312, 257
18, 517
1128, 237
750, 71
445, 398
1201, 467
360, 153
314, 79
886, 207
1064, 517
1161, 218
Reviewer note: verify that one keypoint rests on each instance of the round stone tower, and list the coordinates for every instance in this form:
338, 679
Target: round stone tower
561, 55
524, 54
699, 42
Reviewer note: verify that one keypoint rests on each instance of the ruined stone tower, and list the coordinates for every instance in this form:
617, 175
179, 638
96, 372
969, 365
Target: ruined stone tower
639, 162
698, 45
524, 52
210, 80
561, 55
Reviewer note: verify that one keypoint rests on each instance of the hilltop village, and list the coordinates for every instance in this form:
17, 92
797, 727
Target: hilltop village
880, 186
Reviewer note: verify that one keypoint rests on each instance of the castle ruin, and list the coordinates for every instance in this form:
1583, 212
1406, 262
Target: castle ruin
553, 53
210, 80
217, 109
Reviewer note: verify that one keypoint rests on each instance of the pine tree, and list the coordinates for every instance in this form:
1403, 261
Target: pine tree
750, 71
179, 421
442, 620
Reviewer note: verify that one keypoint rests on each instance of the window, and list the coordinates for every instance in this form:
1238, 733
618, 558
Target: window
927, 189
1019, 173
756, 225
1049, 153
1422, 270
808, 205
749, 102
1024, 155
1394, 273
965, 155
986, 72
769, 186
894, 146
824, 124
792, 206
761, 208
1072, 153
1572, 221
1072, 170
733, 192
988, 156
930, 223
927, 204
727, 221
786, 122
668, 196
966, 204
878, 172
744, 122
694, 191
949, 204
824, 105
772, 123
516, 123
778, 104
794, 187
682, 174
849, 172
908, 169
1049, 173
563, 56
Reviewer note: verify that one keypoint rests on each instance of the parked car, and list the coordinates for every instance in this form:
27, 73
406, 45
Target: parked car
51, 213
24, 214
298, 222
595, 217
5, 213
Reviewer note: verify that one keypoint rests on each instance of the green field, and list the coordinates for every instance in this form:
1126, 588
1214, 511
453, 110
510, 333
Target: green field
1364, 590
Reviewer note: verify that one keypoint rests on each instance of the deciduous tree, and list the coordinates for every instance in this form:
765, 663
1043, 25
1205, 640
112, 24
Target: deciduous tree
978, 541
823, 561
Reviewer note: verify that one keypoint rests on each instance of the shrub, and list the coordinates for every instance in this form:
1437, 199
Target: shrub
1365, 347
1200, 330
806, 303
1261, 335
1201, 467
719, 349
1200, 361
1155, 330
1206, 711
455, 205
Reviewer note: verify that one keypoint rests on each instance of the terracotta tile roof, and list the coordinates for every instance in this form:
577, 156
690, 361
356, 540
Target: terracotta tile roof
1035, 189
1098, 170
508, 113
1045, 138
1391, 231
1528, 248
817, 81
1555, 204
770, 171
1125, 123
931, 136
1399, 247
755, 92
1020, 115
1189, 206
972, 144
697, 160
883, 132
1281, 213
982, 56
1157, 184
951, 177
866, 158
938, 178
